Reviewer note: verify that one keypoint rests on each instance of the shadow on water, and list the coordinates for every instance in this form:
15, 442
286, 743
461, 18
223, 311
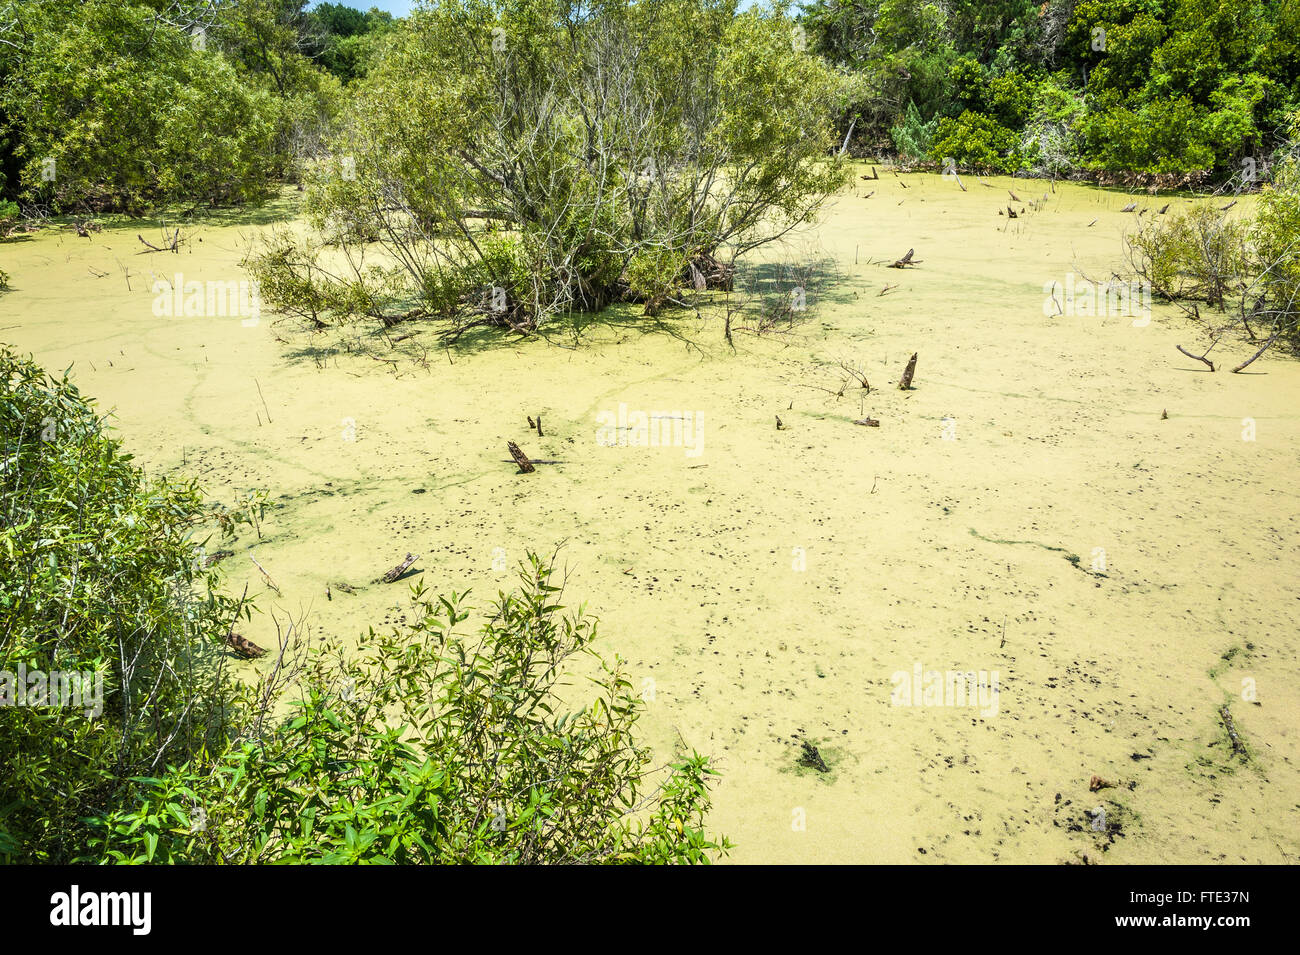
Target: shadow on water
770, 296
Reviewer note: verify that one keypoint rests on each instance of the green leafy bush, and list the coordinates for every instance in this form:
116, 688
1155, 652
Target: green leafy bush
431, 745
1197, 254
154, 120
978, 141
98, 575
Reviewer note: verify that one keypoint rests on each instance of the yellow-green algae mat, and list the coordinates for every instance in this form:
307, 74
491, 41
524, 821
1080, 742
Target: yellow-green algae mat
821, 581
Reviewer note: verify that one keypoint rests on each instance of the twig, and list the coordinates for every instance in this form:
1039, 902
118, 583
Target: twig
264, 407
269, 581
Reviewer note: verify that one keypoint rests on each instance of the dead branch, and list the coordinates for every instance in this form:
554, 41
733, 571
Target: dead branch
1262, 348
905, 261
1238, 747
271, 583
1197, 357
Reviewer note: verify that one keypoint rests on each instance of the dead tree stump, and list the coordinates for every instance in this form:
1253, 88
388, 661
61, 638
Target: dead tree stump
521, 459
243, 646
905, 383
905, 261
394, 574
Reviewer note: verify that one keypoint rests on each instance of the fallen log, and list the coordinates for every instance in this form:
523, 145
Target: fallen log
395, 574
521, 459
243, 646
905, 383
1238, 747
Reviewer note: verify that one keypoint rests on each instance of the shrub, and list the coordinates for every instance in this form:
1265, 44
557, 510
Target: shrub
154, 120
435, 746
978, 141
98, 574
590, 136
1197, 254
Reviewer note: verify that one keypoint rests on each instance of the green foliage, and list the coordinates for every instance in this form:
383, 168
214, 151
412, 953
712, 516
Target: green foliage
9, 216
349, 40
435, 746
977, 141
1173, 87
912, 136
155, 119
1196, 254
1162, 136
98, 574
1276, 238
652, 276
588, 136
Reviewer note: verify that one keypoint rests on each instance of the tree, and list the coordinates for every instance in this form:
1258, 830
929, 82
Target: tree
156, 120
517, 160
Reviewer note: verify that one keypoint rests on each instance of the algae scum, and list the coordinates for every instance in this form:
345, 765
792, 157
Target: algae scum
775, 586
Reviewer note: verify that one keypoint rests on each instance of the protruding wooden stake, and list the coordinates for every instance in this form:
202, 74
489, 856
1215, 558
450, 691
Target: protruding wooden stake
906, 382
521, 459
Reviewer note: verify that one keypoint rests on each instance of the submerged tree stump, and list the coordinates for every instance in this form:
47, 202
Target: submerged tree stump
811, 758
393, 575
905, 261
521, 459
905, 383
243, 646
